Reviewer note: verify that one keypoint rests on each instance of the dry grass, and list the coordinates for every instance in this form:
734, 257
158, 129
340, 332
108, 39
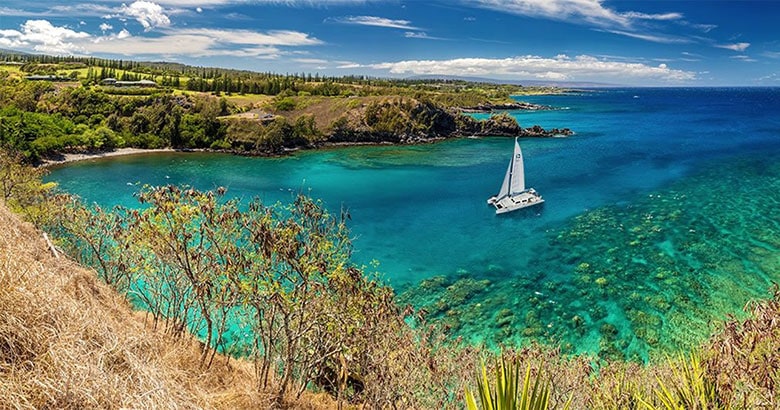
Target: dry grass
745, 357
248, 100
325, 110
68, 341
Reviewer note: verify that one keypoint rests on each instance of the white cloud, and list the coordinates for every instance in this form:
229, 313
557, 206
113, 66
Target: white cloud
149, 14
650, 37
190, 4
744, 58
771, 54
8, 11
421, 35
274, 37
591, 11
201, 3
292, 3
645, 16
703, 27
734, 47
561, 67
317, 61
166, 45
689, 54
595, 13
11, 38
199, 10
376, 21
42, 36
83, 10
105, 27
204, 43
123, 34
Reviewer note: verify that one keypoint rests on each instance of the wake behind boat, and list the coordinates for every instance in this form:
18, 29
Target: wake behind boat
513, 195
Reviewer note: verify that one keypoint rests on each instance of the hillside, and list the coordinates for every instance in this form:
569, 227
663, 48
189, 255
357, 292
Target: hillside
67, 341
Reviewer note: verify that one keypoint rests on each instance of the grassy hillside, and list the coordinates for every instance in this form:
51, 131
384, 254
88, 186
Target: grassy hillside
67, 341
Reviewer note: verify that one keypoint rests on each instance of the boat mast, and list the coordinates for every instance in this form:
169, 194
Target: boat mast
511, 169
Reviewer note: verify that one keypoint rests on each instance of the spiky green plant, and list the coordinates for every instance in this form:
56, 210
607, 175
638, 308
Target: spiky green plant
689, 389
504, 394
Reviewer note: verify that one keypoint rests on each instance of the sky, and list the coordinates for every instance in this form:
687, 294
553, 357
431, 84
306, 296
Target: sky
639, 43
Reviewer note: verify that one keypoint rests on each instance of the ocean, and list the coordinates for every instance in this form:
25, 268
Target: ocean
660, 216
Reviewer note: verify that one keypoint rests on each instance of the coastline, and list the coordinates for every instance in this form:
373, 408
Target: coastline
65, 158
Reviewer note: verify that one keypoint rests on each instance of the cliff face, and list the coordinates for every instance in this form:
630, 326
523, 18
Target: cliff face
67, 341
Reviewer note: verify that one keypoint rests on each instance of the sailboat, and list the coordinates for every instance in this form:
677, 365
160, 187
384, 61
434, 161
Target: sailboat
513, 194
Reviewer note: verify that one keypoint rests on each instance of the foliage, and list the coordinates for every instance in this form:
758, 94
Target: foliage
743, 359
194, 261
285, 104
41, 121
22, 188
689, 388
272, 136
505, 393
68, 341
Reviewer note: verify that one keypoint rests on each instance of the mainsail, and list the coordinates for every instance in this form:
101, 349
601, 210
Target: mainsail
514, 180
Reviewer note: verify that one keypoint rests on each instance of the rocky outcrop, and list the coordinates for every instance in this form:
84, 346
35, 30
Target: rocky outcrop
504, 125
412, 122
538, 131
490, 107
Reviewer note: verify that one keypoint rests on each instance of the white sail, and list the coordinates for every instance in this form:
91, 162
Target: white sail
514, 180
504, 191
518, 172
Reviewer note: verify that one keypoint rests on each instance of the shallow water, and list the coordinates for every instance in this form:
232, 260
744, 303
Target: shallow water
660, 216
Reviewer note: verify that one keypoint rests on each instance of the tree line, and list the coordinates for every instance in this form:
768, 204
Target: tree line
41, 120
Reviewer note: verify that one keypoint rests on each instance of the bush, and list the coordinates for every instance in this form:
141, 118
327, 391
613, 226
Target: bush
285, 104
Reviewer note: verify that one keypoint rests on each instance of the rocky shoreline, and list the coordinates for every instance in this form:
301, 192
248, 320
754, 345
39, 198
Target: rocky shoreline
531, 132
489, 107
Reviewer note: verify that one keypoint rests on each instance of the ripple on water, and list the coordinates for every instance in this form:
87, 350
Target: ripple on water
629, 281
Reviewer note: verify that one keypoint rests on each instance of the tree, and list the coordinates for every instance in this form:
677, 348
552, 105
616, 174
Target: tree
196, 261
22, 188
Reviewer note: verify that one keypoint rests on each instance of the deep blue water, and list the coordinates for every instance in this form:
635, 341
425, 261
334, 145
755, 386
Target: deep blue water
420, 212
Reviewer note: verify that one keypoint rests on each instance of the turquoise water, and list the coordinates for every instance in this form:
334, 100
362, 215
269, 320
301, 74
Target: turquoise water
660, 216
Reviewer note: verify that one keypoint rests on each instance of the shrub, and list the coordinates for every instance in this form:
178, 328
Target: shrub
504, 392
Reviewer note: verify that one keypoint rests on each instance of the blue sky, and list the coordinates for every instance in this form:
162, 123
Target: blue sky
655, 43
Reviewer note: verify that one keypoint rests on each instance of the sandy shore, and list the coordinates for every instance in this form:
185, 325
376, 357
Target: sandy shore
66, 158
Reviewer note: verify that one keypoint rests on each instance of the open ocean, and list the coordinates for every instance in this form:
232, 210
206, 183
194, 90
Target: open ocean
662, 216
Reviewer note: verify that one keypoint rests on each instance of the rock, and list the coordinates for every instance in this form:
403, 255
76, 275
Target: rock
490, 107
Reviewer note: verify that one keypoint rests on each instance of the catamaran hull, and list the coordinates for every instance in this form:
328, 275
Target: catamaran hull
517, 201
519, 206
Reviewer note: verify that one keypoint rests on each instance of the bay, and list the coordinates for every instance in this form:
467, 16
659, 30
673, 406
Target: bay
658, 221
